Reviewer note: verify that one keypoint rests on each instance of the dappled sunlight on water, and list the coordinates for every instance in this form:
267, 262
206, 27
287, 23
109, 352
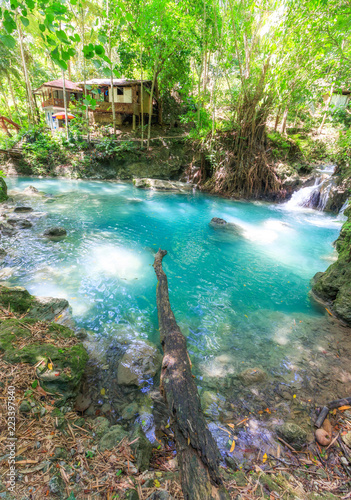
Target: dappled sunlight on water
218, 280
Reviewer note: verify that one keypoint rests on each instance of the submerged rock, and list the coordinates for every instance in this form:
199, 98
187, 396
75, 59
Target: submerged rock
292, 434
230, 227
19, 222
55, 233
139, 363
252, 376
22, 210
32, 191
211, 404
218, 220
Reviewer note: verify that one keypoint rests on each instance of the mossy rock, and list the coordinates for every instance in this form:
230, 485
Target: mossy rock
334, 286
69, 363
17, 298
3, 190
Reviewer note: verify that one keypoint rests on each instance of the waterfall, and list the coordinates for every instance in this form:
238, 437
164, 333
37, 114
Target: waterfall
315, 196
341, 215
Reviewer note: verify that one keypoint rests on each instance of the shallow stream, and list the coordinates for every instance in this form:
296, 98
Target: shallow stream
241, 298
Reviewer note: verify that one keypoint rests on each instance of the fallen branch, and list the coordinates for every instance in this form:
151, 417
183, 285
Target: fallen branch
198, 455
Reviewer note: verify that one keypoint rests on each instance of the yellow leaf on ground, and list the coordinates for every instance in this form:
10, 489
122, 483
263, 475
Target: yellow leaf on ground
231, 425
232, 448
345, 407
102, 392
50, 366
264, 458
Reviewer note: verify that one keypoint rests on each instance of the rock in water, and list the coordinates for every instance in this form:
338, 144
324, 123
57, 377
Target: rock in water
252, 376
139, 363
292, 434
22, 210
20, 223
219, 221
55, 233
31, 190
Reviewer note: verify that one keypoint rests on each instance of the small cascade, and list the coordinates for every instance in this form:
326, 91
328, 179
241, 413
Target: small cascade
315, 196
341, 215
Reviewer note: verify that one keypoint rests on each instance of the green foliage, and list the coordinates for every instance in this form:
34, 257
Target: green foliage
343, 156
109, 147
42, 150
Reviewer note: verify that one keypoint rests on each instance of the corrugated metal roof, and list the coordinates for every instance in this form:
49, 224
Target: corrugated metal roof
116, 82
58, 84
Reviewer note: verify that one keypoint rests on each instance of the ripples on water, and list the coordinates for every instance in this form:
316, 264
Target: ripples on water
233, 295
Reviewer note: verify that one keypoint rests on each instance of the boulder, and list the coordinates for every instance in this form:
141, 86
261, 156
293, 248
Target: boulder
111, 439
252, 376
55, 233
32, 191
139, 363
163, 185
230, 227
23, 210
292, 434
43, 308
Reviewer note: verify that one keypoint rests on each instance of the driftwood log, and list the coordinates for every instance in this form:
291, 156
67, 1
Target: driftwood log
197, 451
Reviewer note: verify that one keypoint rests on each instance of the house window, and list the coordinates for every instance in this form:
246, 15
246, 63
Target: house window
120, 91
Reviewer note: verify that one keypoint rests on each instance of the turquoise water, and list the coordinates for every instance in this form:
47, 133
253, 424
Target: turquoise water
232, 295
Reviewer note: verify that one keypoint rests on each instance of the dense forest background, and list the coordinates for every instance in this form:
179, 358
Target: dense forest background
226, 70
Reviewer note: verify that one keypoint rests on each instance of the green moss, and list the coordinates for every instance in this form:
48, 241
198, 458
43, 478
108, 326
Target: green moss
3, 190
69, 363
17, 298
335, 284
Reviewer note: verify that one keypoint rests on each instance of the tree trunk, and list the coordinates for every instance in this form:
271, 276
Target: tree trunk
25, 72
7, 106
277, 118
85, 77
13, 98
111, 69
326, 108
142, 98
198, 455
159, 104
65, 103
285, 116
150, 104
